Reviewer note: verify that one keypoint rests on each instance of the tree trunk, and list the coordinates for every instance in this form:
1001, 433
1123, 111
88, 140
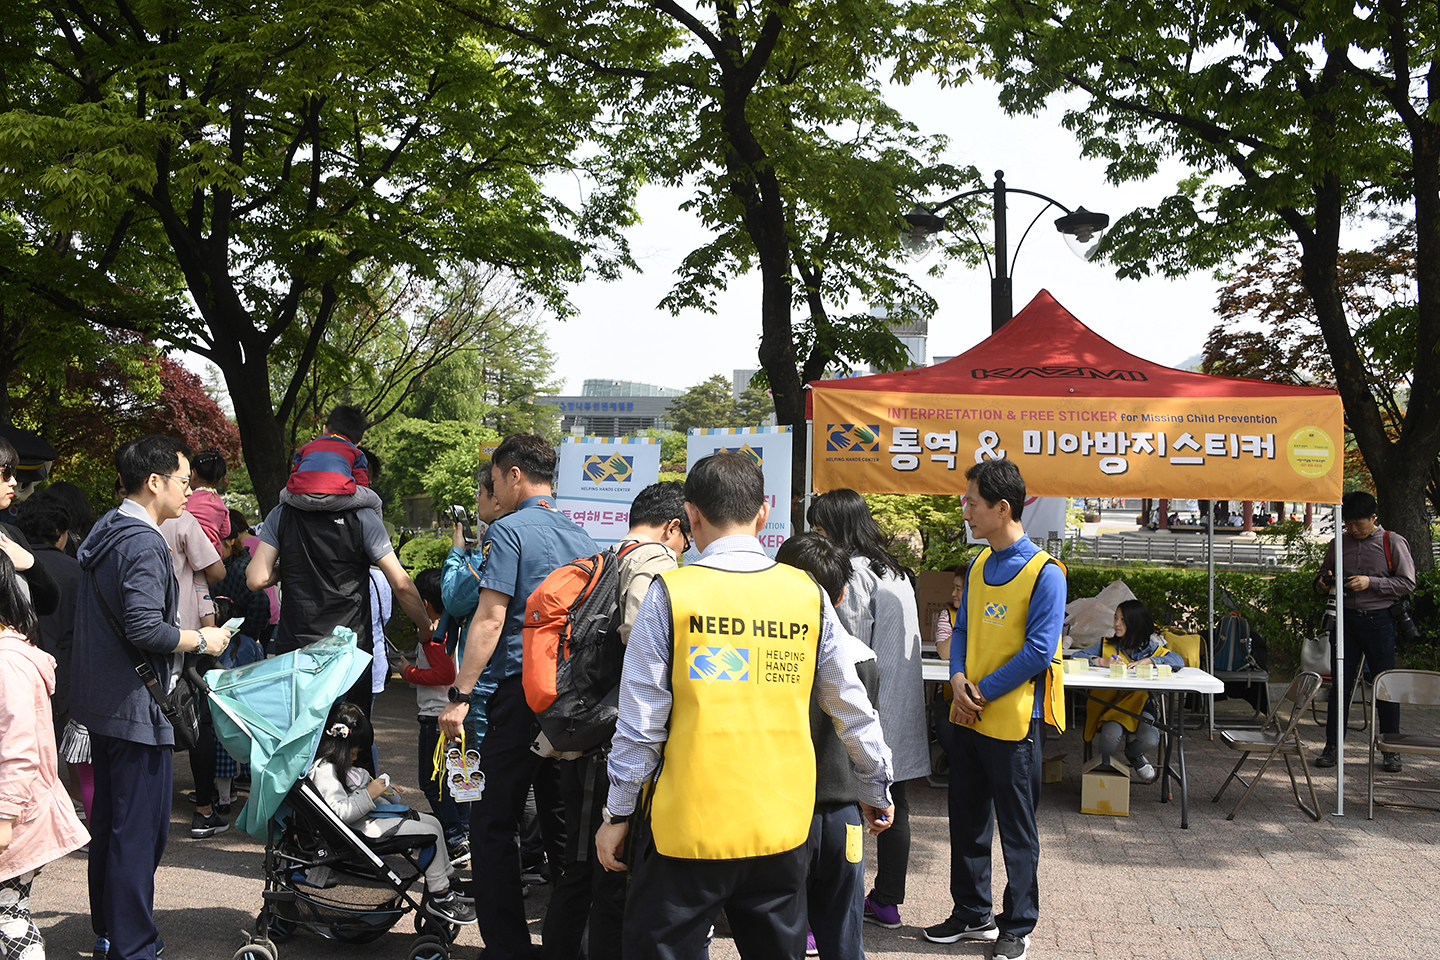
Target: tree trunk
261, 436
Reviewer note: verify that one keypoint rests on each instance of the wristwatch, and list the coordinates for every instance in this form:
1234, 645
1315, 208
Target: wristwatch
610, 819
455, 696
202, 645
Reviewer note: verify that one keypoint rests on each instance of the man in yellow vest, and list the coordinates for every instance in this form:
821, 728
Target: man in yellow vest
718, 674
1005, 668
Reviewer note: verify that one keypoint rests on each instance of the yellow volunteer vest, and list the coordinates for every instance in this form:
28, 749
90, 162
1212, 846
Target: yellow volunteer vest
1132, 700
738, 776
995, 620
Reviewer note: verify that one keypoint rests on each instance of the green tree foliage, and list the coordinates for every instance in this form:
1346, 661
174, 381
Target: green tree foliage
755, 407
420, 456
673, 448
936, 521
707, 404
239, 164
1294, 119
774, 113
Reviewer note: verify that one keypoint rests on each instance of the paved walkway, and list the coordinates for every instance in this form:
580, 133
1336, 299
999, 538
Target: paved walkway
1271, 884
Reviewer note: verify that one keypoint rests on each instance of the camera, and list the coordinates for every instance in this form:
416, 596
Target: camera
1405, 627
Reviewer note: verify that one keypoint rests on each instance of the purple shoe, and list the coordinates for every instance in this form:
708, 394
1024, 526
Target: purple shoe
810, 949
886, 915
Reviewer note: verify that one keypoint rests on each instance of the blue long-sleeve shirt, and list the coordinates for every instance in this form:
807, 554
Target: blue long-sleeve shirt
1043, 624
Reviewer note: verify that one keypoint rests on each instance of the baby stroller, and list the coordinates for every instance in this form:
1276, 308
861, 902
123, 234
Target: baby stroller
320, 875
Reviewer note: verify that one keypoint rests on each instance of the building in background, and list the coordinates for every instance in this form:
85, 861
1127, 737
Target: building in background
613, 408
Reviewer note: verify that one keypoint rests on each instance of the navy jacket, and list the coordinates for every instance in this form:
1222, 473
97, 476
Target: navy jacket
131, 564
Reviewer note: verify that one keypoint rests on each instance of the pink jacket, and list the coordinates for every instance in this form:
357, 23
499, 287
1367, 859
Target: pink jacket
45, 827
206, 506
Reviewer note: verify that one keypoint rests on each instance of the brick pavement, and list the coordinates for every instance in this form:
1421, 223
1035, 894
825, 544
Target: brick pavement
1271, 884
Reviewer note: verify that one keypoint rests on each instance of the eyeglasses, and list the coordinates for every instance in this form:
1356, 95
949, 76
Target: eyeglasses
7, 472
183, 478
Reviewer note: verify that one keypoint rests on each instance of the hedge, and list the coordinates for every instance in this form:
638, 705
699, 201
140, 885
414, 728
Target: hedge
1282, 607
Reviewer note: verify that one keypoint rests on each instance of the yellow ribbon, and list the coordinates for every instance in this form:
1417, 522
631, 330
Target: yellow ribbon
441, 746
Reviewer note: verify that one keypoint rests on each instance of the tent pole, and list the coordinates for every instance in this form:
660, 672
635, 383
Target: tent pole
1210, 577
1337, 681
809, 471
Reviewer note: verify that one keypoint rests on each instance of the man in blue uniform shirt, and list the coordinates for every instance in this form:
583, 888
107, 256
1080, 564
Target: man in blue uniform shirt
521, 549
1000, 673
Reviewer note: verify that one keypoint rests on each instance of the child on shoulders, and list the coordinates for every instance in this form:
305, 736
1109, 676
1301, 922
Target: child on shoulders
331, 472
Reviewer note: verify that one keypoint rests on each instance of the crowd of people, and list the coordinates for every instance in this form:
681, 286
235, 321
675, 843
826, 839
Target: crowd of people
771, 713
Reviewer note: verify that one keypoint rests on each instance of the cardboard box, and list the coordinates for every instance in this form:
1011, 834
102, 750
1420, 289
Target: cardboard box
932, 594
1053, 769
1105, 793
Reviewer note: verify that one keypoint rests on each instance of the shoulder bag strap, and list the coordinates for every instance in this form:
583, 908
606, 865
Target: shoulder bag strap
142, 669
1389, 560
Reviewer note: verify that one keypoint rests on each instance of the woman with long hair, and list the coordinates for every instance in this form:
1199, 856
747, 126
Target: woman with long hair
37, 820
879, 608
1127, 717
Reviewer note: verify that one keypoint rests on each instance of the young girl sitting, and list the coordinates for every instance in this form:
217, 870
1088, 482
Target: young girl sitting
1135, 641
352, 794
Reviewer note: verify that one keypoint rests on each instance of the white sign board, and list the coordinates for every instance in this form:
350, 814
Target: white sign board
598, 479
772, 447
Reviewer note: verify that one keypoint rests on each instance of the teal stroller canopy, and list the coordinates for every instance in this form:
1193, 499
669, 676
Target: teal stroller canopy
270, 714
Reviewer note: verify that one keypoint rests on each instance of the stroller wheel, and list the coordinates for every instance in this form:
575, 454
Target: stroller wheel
259, 950
429, 947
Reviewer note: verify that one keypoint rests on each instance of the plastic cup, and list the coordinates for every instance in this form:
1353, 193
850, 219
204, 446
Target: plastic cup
1117, 670
1163, 670
1145, 671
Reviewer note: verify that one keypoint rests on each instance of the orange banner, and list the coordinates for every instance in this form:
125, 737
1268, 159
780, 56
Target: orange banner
1222, 448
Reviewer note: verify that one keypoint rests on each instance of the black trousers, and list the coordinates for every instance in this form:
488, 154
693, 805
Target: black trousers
510, 768
1373, 637
835, 882
128, 826
673, 903
995, 783
583, 891
892, 852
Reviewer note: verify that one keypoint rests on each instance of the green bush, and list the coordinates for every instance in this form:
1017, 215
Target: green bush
1283, 607
422, 553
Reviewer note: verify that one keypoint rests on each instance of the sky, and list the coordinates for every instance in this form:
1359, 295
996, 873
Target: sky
621, 333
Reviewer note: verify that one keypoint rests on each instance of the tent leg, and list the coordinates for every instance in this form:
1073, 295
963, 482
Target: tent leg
1210, 577
809, 472
1337, 682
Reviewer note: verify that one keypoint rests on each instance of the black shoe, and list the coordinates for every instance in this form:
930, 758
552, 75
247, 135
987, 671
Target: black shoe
1391, 763
952, 929
1011, 947
450, 908
202, 827
1326, 758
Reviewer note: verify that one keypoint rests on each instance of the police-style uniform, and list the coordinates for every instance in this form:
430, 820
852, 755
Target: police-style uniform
726, 819
995, 763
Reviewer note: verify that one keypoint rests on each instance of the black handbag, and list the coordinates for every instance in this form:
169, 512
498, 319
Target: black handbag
181, 705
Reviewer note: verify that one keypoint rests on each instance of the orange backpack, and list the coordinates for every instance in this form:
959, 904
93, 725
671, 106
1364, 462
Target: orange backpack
573, 655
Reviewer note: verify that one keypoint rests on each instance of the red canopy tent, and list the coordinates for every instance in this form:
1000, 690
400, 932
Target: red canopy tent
1080, 417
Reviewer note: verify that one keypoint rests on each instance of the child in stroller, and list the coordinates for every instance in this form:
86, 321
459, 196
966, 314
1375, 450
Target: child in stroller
355, 797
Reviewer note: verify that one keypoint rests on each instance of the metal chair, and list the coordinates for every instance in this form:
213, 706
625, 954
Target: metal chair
1420, 687
1279, 735
1362, 690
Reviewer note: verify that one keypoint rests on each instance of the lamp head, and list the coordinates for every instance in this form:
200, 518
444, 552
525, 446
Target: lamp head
1083, 230
924, 224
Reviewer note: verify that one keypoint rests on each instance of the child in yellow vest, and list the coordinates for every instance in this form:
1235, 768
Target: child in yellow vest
1135, 641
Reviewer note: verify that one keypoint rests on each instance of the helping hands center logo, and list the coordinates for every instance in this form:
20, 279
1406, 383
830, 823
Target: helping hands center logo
719, 663
852, 437
995, 614
607, 469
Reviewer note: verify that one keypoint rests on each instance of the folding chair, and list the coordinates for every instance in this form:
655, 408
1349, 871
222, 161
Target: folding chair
1361, 691
1279, 734
1420, 687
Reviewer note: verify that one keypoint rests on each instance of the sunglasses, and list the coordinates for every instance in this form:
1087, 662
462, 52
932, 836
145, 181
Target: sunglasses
7, 472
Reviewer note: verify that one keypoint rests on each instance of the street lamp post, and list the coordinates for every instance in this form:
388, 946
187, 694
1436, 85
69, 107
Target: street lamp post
1081, 228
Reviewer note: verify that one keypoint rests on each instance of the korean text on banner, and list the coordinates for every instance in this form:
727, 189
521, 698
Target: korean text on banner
1257, 448
599, 478
771, 447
